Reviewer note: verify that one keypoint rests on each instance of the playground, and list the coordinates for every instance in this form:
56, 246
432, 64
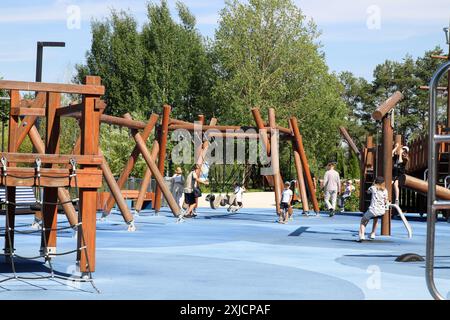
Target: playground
242, 256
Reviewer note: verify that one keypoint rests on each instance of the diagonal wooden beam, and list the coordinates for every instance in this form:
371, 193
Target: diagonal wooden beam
140, 143
63, 194
146, 180
28, 122
132, 160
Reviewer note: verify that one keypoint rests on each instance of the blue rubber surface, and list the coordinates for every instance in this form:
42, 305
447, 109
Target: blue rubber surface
235, 256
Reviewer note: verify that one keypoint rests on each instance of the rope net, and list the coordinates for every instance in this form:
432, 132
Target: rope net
9, 251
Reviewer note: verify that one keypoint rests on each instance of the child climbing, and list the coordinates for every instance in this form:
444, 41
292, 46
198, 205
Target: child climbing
286, 199
400, 160
377, 208
237, 204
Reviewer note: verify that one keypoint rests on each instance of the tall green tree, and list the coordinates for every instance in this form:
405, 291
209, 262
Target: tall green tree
116, 56
165, 63
363, 97
267, 54
178, 69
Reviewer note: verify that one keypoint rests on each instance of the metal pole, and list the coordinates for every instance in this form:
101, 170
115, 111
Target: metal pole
387, 171
431, 211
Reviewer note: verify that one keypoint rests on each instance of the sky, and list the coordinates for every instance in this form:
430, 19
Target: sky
356, 34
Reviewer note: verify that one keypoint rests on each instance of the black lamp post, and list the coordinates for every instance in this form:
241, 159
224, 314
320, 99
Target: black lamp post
39, 55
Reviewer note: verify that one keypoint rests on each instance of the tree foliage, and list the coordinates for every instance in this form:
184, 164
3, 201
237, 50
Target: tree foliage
164, 63
266, 54
406, 76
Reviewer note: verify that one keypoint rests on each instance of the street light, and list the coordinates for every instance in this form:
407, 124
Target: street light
447, 34
39, 55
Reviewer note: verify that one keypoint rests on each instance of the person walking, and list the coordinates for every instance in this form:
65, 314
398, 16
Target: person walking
192, 191
332, 187
177, 185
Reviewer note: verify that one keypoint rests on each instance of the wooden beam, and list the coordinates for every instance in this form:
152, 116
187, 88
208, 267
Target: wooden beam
70, 110
441, 57
90, 127
50, 197
350, 141
305, 164
275, 160
421, 186
61, 159
163, 134
388, 136
51, 177
10, 188
28, 121
155, 171
387, 106
53, 87
132, 160
63, 194
115, 191
38, 112
438, 88
146, 180
300, 179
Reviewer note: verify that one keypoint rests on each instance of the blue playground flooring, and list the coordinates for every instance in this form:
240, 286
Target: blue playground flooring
236, 256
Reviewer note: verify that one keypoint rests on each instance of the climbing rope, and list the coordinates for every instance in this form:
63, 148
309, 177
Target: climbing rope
44, 253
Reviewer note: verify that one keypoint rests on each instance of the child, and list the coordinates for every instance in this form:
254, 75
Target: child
237, 202
286, 198
377, 207
349, 188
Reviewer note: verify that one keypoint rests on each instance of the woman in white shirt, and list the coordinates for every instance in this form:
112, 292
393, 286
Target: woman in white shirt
177, 185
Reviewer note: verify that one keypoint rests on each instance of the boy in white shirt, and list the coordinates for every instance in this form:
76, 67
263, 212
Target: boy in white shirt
286, 199
237, 203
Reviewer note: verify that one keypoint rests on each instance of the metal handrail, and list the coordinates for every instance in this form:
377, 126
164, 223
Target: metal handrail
432, 170
425, 175
446, 182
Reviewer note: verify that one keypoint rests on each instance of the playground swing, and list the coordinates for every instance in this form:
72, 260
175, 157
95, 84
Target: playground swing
226, 183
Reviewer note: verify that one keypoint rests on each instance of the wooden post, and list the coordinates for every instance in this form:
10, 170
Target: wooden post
164, 131
262, 128
301, 180
302, 153
13, 127
115, 190
140, 143
274, 155
350, 141
387, 171
131, 161
50, 207
90, 127
146, 180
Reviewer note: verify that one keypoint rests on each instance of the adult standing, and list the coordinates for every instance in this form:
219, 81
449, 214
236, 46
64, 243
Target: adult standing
177, 185
332, 187
192, 191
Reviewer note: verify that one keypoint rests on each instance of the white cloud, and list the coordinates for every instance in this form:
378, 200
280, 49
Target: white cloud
57, 11
348, 11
